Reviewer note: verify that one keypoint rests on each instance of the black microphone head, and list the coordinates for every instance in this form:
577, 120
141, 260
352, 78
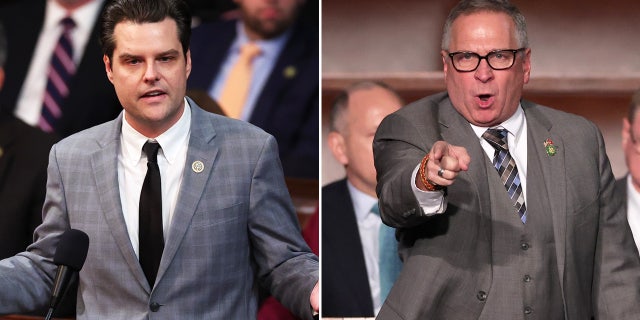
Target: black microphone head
72, 249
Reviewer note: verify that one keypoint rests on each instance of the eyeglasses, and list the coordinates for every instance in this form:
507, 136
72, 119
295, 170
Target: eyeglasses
465, 61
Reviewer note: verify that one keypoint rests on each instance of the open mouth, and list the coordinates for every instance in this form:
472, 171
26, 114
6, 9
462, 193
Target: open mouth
151, 94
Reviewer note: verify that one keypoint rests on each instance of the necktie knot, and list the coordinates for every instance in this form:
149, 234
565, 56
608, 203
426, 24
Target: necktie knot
375, 209
497, 138
151, 150
67, 23
249, 51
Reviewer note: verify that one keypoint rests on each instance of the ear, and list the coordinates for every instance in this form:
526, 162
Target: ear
108, 67
626, 129
188, 57
445, 67
337, 145
526, 65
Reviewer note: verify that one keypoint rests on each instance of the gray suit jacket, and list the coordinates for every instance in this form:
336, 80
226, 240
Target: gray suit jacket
447, 257
234, 225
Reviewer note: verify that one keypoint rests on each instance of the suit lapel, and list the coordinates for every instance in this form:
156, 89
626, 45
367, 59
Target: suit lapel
201, 149
553, 175
457, 131
105, 170
277, 81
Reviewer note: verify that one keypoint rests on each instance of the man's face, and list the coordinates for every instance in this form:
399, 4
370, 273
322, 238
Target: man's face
366, 109
266, 19
149, 72
631, 148
485, 97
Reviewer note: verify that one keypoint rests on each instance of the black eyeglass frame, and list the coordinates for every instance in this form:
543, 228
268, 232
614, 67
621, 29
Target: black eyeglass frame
485, 57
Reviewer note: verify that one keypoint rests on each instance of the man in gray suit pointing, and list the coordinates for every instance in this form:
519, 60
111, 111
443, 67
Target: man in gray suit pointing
505, 209
182, 228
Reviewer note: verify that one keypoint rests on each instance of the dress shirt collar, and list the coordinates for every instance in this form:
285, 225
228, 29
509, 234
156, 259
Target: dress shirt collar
514, 125
268, 48
84, 16
362, 202
171, 141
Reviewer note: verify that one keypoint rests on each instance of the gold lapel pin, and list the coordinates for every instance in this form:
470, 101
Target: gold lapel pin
290, 72
197, 166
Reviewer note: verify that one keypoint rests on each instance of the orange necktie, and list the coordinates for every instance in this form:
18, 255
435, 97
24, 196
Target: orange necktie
234, 92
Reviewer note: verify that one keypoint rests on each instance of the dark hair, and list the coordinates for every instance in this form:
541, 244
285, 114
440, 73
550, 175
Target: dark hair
144, 11
466, 7
3, 47
342, 100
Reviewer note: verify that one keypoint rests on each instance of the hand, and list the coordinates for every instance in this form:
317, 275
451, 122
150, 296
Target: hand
445, 163
314, 299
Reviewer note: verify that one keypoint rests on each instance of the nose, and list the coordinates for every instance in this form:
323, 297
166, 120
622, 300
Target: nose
484, 72
151, 73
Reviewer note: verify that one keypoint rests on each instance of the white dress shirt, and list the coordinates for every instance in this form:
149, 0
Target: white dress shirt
31, 97
132, 168
434, 202
369, 229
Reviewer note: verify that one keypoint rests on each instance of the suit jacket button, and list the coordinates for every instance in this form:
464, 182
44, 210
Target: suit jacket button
154, 306
482, 296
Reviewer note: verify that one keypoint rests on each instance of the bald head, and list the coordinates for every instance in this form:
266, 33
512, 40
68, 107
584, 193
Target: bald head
354, 120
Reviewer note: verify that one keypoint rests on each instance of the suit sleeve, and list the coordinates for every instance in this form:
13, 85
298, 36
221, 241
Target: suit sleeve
616, 282
26, 279
285, 263
398, 147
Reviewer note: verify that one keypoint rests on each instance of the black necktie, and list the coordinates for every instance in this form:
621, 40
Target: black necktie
150, 224
507, 169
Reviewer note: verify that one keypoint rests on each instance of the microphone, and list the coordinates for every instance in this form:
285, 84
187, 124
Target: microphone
70, 256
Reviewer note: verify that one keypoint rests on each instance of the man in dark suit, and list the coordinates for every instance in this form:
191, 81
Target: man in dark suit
23, 175
629, 185
32, 29
555, 245
23, 178
224, 221
283, 96
351, 282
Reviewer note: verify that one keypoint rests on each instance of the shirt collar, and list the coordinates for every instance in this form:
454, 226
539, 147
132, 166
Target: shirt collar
84, 16
171, 141
362, 202
514, 125
268, 48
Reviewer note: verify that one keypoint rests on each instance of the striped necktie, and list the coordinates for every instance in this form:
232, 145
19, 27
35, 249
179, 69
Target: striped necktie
61, 69
507, 169
236, 87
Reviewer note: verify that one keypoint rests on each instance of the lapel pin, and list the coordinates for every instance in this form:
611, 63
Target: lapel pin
550, 148
290, 72
197, 166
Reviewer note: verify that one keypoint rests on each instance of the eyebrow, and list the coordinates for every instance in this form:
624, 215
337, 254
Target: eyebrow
161, 54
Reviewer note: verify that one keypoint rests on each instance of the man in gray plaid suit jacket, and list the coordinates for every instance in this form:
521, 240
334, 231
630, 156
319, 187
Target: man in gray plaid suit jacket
227, 219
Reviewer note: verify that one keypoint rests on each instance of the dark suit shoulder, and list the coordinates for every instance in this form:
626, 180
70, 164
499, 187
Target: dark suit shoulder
334, 188
17, 135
